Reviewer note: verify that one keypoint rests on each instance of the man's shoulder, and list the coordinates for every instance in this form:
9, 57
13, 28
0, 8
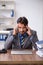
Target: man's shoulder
11, 32
33, 31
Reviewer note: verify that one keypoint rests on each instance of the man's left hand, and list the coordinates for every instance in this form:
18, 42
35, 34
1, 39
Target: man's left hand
28, 31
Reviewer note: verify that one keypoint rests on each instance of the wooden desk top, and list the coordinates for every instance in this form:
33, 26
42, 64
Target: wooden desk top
20, 59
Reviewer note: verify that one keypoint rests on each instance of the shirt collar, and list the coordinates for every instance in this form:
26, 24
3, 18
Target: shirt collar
25, 34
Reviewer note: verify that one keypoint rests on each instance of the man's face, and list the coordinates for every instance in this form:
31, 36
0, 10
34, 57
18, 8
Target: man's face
21, 28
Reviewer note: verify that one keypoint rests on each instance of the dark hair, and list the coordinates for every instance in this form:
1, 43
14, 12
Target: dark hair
22, 20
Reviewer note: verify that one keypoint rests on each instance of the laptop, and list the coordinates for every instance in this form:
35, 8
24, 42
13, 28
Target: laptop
21, 51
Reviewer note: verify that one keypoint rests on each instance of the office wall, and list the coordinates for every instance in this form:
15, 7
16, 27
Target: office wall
42, 20
32, 9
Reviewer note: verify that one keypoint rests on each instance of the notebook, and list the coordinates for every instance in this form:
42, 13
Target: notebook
21, 52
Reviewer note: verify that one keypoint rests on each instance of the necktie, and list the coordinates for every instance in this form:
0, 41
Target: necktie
22, 38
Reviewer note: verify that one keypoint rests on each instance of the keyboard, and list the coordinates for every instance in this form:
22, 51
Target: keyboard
21, 52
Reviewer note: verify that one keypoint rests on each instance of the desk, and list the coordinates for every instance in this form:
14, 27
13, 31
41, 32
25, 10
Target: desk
20, 59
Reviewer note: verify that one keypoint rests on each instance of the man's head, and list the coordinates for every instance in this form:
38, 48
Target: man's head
22, 22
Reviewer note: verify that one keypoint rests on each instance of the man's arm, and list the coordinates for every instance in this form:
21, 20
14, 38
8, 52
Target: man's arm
34, 39
31, 39
9, 40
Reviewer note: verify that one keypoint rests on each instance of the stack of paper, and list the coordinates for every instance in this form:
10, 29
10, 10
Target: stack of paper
40, 48
40, 53
39, 44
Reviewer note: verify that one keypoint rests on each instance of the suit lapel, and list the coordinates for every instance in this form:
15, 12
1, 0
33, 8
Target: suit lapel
19, 42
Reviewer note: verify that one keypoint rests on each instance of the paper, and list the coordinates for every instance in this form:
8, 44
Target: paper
39, 44
2, 44
40, 53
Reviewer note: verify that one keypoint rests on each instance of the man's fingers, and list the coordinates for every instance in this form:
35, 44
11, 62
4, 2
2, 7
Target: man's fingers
28, 28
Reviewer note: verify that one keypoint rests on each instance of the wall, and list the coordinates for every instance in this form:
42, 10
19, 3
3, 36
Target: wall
32, 9
42, 20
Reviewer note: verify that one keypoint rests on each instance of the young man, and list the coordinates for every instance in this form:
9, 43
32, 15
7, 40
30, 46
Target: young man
22, 37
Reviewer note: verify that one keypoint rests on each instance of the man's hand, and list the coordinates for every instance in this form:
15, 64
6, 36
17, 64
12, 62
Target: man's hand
15, 31
28, 31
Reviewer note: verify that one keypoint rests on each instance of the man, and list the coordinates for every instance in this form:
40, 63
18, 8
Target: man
22, 37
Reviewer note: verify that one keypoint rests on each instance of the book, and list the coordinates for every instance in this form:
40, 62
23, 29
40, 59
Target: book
39, 53
40, 48
39, 44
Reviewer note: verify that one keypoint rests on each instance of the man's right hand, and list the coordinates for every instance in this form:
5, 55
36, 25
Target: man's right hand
15, 31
